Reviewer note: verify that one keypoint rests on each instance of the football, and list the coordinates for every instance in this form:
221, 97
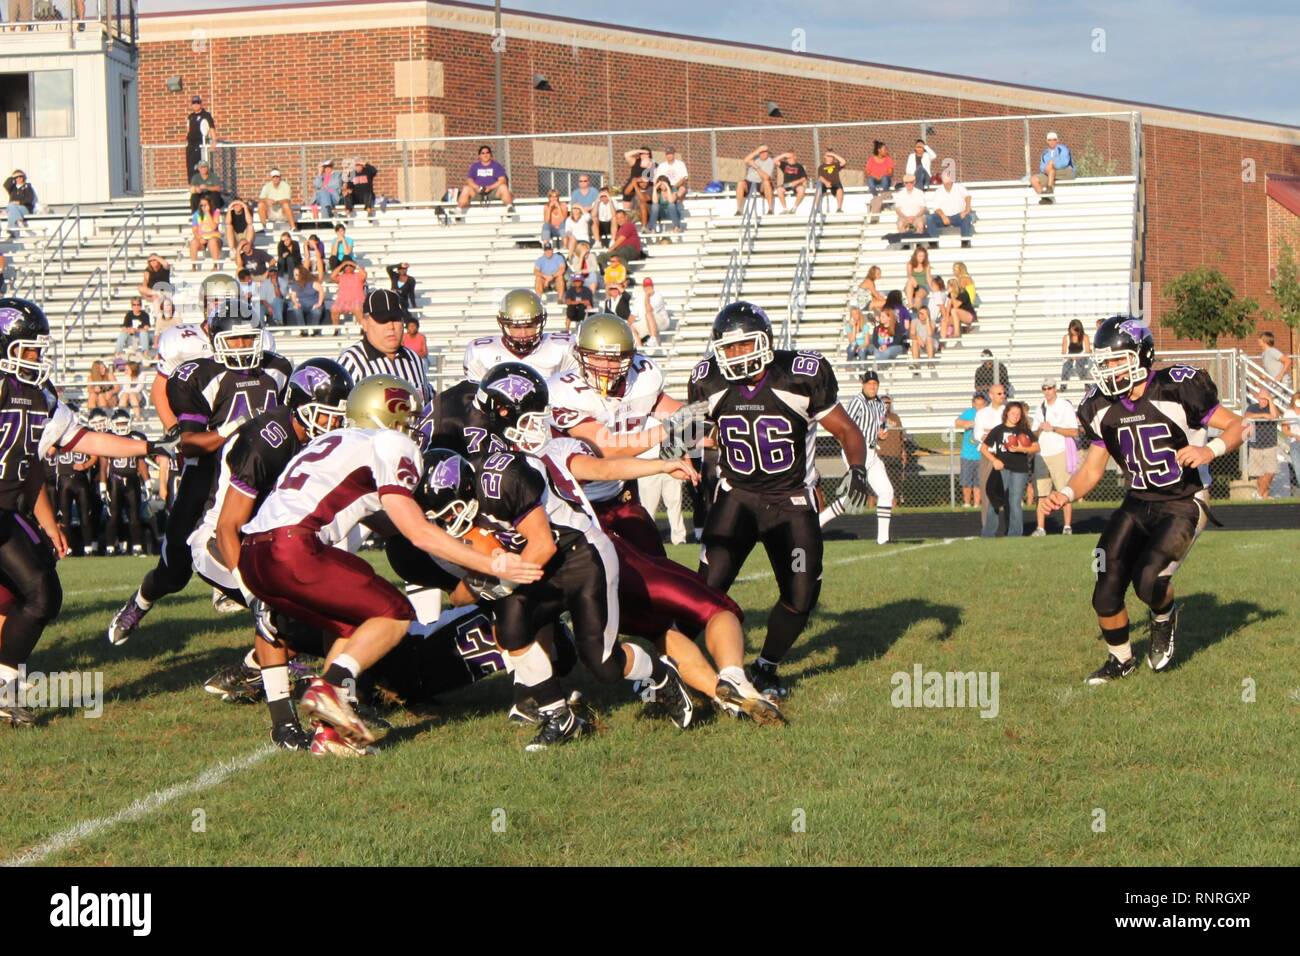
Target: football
483, 541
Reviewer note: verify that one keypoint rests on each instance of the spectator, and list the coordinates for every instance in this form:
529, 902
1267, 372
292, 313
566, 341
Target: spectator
867, 295
961, 287
1291, 431
640, 170
156, 283
250, 297
918, 163
1007, 448
1055, 163
918, 274
414, 340
132, 395
615, 273
305, 305
856, 335
618, 301
585, 196
1075, 343
894, 300
649, 310
239, 223
315, 257
200, 135
271, 297
674, 170
1262, 415
920, 334
577, 228
627, 242
941, 305
578, 301
206, 234
828, 174
794, 178
1276, 364
102, 388
288, 256
351, 295
553, 216
605, 210
760, 174
488, 177
22, 201
548, 272
257, 261
985, 375
343, 249
204, 185
969, 479
667, 208
359, 189
1056, 425
951, 207
275, 195
879, 169
887, 342
892, 446
985, 420
166, 315
135, 331
327, 190
400, 281
909, 206
582, 263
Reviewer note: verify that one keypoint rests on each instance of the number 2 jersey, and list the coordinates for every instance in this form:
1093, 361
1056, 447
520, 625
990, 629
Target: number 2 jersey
1145, 435
767, 432
32, 422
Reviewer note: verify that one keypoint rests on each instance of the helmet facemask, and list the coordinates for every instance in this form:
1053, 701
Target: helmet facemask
311, 411
531, 433
747, 364
456, 517
521, 346
607, 378
242, 357
121, 425
30, 371
1116, 378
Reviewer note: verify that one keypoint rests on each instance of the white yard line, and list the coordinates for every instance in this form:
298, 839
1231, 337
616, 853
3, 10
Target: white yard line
139, 809
884, 552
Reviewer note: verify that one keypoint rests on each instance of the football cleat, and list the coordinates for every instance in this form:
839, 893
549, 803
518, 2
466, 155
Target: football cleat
326, 741
225, 605
673, 697
125, 621
290, 736
525, 712
1161, 649
1112, 670
328, 704
737, 700
559, 726
766, 681
11, 712
236, 684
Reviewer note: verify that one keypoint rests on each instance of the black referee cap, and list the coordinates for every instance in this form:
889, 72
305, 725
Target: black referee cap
870, 376
383, 305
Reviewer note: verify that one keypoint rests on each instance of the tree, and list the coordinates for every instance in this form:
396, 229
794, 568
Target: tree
1090, 161
1286, 288
1206, 307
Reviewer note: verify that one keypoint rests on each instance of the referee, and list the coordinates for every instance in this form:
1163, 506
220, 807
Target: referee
380, 351
868, 412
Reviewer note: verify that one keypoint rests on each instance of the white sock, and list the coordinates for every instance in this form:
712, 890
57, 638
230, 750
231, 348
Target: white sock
532, 667
1123, 652
1162, 618
250, 660
883, 515
642, 666
141, 603
735, 673
276, 681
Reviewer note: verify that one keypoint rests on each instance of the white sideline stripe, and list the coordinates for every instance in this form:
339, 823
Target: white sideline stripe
863, 557
139, 809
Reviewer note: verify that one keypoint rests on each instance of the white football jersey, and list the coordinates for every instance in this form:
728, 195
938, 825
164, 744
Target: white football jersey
338, 479
573, 402
553, 355
187, 343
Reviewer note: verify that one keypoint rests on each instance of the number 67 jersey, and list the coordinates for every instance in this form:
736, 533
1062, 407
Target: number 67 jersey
1145, 435
767, 431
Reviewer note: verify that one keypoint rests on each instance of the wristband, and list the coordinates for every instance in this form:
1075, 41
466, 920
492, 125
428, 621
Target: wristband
1068, 492
1218, 446
230, 427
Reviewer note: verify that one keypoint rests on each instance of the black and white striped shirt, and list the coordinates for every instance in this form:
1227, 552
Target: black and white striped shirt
869, 415
364, 360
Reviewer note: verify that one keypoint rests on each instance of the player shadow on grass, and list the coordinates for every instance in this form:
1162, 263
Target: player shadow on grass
1205, 621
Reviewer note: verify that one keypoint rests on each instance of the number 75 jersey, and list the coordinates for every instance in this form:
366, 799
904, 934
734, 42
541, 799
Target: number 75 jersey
1144, 436
767, 432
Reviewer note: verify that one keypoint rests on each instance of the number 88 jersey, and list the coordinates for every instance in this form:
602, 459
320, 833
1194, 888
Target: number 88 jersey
767, 430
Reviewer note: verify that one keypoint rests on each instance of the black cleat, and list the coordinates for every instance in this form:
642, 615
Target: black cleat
236, 684
766, 682
125, 621
290, 736
1160, 651
559, 726
1112, 670
525, 712
673, 697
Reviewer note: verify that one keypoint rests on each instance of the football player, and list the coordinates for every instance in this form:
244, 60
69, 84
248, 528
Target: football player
73, 471
1153, 423
211, 398
122, 484
765, 405
522, 317
30, 537
287, 558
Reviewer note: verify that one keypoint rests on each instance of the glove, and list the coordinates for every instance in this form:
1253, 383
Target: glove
682, 429
857, 496
487, 588
262, 621
230, 427
168, 445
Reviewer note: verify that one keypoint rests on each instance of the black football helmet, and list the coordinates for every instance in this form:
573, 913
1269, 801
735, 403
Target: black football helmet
1123, 354
317, 387
516, 402
227, 325
120, 422
736, 324
446, 492
24, 328
427, 423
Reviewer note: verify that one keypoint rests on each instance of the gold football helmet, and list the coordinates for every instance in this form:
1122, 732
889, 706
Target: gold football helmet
605, 350
382, 401
522, 317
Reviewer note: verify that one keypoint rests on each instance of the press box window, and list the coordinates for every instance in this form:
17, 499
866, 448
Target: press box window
36, 105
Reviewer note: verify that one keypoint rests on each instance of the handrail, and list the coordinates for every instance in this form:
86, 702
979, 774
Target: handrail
1254, 377
739, 258
80, 304
803, 269
133, 224
71, 221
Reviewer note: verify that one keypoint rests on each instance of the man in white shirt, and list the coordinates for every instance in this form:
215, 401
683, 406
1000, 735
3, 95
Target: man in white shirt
909, 204
918, 163
675, 171
986, 419
648, 309
950, 206
1056, 425
275, 194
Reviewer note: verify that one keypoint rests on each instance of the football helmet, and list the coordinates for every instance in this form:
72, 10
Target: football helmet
98, 420
382, 401
516, 402
522, 317
120, 422
317, 387
737, 324
1123, 354
446, 492
426, 424
24, 328
228, 326
605, 350
217, 292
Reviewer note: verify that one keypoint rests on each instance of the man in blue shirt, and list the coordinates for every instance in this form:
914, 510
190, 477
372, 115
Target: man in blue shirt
1056, 163
970, 452
585, 196
485, 176
548, 272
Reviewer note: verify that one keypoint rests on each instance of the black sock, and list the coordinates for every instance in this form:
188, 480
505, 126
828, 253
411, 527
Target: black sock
1115, 636
336, 675
282, 711
658, 671
1162, 614
783, 628
547, 694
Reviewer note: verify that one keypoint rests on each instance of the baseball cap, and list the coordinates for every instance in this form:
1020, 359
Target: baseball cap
275, 172
1049, 381
1052, 135
328, 162
202, 162
648, 282
870, 376
383, 305
547, 245
196, 99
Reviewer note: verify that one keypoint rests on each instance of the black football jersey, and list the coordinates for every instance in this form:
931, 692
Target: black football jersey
477, 441
767, 432
205, 395
511, 484
126, 468
452, 409
257, 455
32, 422
1144, 436
66, 461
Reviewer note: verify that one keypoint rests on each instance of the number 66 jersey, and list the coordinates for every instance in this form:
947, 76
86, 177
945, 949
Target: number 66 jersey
1145, 435
767, 431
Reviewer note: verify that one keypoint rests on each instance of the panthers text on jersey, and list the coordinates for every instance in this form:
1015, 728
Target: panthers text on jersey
574, 402
767, 432
1144, 436
553, 355
189, 343
512, 484
32, 422
338, 479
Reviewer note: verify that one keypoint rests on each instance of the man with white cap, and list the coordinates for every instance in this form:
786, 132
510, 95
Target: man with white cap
275, 194
328, 186
1055, 425
1055, 163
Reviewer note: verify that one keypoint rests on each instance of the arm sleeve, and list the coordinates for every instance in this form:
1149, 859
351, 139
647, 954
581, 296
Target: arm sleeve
60, 430
1199, 397
189, 404
397, 464
248, 472
823, 391
1087, 410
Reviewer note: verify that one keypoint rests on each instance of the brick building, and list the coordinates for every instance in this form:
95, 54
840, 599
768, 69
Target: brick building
414, 71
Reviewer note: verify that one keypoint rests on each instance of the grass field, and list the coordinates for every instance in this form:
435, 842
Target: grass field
1185, 770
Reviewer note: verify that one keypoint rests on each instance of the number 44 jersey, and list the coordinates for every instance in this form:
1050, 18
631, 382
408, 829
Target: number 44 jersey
1145, 435
767, 431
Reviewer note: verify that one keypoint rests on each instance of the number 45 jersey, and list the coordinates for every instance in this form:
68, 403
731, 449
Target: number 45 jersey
767, 432
1145, 435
